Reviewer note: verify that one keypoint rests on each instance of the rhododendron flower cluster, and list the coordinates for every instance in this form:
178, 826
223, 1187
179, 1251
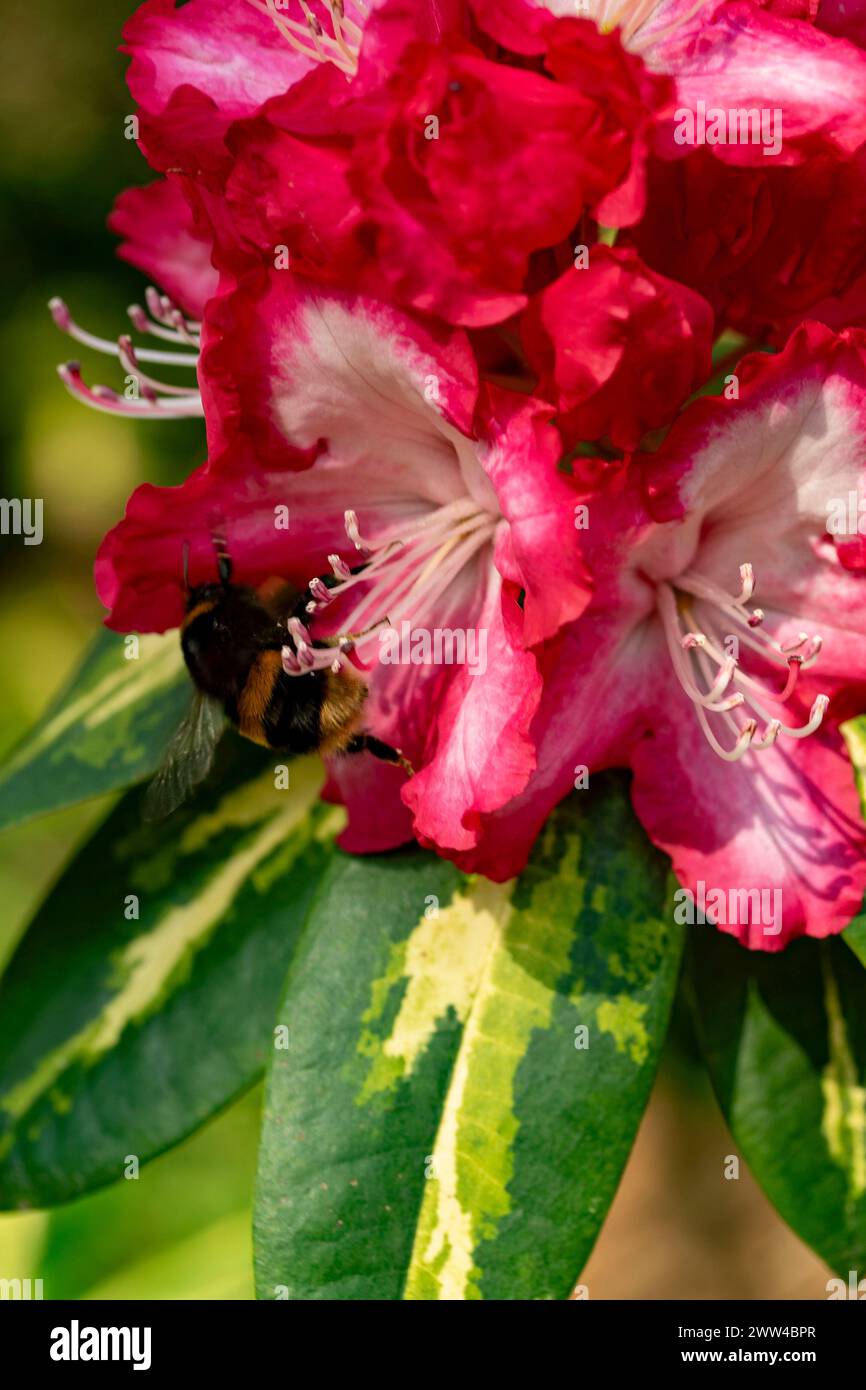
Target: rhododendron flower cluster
448, 284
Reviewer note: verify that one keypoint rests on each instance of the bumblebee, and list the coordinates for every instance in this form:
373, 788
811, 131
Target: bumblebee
232, 638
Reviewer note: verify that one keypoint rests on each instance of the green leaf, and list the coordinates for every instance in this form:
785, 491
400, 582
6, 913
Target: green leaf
120, 1036
434, 1128
125, 1240
108, 729
855, 937
184, 1231
855, 738
784, 1037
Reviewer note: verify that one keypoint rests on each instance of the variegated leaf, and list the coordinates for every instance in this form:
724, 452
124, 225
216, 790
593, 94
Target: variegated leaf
468, 1064
143, 997
855, 737
784, 1037
107, 730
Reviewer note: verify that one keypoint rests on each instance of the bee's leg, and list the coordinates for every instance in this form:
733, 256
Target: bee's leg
366, 743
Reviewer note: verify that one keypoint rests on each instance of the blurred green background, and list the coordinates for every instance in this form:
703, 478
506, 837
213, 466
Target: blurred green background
182, 1229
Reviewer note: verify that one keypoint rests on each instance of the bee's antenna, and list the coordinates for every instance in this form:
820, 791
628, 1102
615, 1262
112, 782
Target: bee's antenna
186, 565
224, 563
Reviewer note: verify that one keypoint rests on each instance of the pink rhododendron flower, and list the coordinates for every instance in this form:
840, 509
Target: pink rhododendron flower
724, 55
365, 241
447, 493
767, 247
846, 18
161, 238
740, 772
196, 69
399, 186
152, 397
618, 348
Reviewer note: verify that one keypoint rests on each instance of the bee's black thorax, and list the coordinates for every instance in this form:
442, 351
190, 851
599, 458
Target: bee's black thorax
225, 628
232, 645
233, 639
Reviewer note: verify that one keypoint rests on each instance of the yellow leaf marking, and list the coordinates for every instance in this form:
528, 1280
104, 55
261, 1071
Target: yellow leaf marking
159, 661
844, 1121
146, 963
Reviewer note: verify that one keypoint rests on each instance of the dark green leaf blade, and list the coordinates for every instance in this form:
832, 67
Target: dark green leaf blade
784, 1037
120, 1034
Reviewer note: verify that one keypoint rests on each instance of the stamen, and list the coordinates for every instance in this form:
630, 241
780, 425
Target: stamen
795, 666
771, 733
742, 745
150, 406
713, 594
630, 17
339, 568
65, 322
402, 575
129, 359
142, 324
816, 718
708, 699
158, 400
747, 574
414, 587
309, 38
638, 43
298, 632
321, 595
166, 312
717, 669
353, 533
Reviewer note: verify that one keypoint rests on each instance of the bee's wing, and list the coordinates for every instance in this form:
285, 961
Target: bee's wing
188, 757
